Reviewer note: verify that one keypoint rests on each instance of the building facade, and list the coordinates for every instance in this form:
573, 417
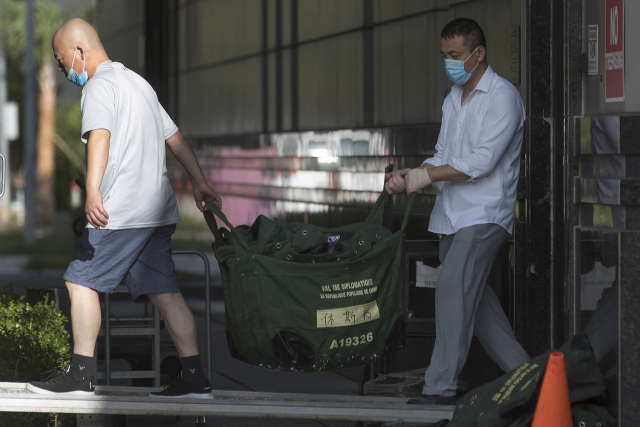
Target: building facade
296, 107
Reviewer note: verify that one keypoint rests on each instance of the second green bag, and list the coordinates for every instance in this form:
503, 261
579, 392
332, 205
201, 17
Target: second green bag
309, 298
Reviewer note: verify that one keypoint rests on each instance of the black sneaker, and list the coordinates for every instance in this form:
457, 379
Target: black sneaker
434, 399
182, 388
67, 382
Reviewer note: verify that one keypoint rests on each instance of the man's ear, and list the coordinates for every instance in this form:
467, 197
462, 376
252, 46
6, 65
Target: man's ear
81, 51
482, 53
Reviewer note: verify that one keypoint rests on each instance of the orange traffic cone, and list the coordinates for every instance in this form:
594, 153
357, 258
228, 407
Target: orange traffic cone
554, 406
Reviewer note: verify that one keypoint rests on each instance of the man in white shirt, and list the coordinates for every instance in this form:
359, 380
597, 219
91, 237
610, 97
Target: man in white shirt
131, 209
476, 165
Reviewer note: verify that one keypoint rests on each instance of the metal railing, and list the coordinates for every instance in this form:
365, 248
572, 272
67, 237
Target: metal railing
207, 297
156, 350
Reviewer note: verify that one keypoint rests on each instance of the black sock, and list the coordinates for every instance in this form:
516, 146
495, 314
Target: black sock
82, 365
192, 371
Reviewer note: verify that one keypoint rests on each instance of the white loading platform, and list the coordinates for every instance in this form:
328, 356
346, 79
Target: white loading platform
17, 397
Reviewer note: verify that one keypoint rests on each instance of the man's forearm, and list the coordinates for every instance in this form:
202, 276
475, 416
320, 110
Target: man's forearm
97, 158
444, 173
187, 158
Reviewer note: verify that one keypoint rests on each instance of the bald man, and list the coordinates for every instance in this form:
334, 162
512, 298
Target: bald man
131, 209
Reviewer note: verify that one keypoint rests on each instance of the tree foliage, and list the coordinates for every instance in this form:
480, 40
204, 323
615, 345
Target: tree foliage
48, 16
68, 126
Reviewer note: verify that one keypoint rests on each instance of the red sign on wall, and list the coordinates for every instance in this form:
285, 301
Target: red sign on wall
614, 51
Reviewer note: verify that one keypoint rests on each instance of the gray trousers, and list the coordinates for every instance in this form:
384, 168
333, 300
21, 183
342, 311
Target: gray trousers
466, 304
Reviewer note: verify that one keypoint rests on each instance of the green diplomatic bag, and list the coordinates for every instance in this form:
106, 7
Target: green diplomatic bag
311, 298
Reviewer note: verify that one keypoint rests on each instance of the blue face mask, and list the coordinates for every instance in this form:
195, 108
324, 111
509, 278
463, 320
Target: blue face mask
73, 77
455, 69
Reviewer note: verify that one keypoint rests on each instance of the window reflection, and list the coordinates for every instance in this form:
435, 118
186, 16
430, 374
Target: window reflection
599, 289
605, 135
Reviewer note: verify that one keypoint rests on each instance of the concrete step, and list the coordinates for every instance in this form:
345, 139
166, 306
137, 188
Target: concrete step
17, 397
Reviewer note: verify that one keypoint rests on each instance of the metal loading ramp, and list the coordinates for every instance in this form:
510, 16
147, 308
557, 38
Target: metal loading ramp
16, 397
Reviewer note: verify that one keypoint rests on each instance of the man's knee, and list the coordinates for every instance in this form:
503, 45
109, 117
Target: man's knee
164, 298
71, 286
78, 289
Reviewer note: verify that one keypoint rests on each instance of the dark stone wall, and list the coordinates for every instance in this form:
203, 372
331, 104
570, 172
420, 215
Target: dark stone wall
537, 242
573, 38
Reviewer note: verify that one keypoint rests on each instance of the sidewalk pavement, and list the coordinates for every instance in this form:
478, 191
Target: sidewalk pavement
12, 272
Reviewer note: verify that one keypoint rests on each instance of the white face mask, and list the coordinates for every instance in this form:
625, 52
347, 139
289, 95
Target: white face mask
73, 77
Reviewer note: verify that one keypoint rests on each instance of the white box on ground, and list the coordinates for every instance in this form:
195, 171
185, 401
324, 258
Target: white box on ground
426, 277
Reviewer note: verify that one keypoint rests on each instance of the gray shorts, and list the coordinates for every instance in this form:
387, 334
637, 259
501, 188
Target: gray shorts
141, 255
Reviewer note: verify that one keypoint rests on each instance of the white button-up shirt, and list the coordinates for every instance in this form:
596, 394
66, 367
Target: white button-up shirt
481, 138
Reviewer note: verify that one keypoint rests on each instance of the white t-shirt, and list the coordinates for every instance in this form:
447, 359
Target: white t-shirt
135, 189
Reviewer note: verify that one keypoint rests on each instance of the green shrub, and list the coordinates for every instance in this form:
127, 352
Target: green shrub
33, 340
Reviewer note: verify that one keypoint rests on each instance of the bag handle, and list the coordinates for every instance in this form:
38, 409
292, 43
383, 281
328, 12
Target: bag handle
407, 211
377, 212
239, 244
